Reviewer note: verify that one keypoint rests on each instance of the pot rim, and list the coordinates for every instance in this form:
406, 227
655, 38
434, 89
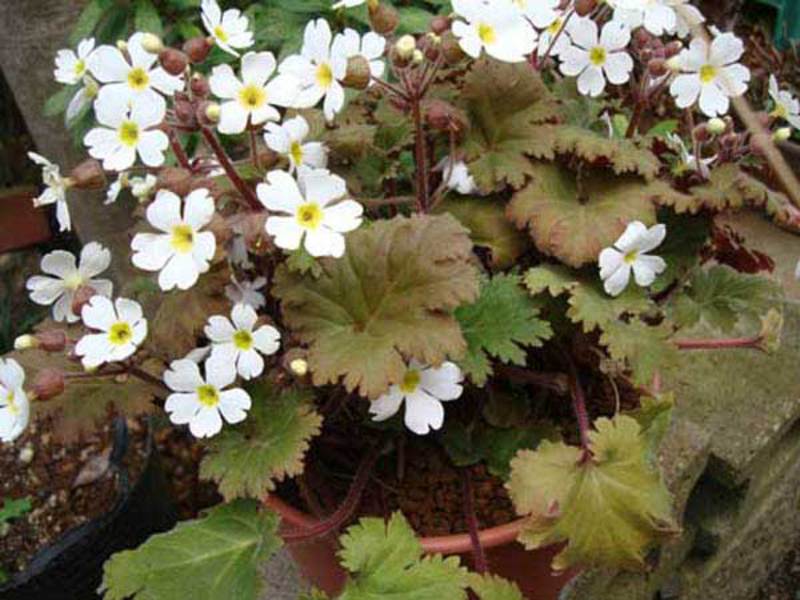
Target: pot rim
458, 543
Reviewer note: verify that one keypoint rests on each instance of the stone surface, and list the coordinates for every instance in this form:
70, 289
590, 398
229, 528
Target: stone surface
283, 579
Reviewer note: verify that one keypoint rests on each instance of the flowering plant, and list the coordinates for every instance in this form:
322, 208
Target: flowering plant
410, 237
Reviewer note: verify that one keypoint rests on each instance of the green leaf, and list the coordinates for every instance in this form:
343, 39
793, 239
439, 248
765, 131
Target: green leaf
57, 103
508, 106
645, 349
492, 587
682, 248
385, 560
499, 324
723, 297
89, 18
654, 416
663, 128
610, 507
413, 19
623, 155
215, 557
488, 227
247, 460
14, 509
301, 262
389, 299
573, 218
146, 18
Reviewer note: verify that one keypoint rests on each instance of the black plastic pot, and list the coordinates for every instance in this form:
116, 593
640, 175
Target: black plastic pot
72, 567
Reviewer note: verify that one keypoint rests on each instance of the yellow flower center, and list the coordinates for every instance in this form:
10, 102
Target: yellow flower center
138, 79
182, 238
243, 340
220, 34
708, 73
80, 68
780, 111
410, 381
11, 403
554, 27
487, 33
309, 215
324, 76
73, 281
120, 333
129, 133
296, 152
631, 257
208, 395
252, 97
598, 56
523, 4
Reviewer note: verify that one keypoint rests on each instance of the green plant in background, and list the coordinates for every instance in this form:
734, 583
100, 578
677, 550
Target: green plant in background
11, 510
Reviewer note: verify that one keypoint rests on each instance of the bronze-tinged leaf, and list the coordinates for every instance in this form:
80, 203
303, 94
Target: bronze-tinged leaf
573, 218
622, 155
388, 299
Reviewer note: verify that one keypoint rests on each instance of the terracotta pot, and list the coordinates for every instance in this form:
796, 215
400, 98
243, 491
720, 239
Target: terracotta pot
528, 569
22, 224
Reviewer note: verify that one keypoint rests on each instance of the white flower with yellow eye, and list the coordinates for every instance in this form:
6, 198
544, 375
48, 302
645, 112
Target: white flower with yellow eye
55, 191
125, 133
319, 68
786, 106
63, 278
542, 13
496, 26
553, 36
288, 140
237, 341
181, 252
14, 405
203, 403
423, 390
595, 57
629, 253
71, 66
230, 29
371, 47
132, 77
121, 328
309, 211
253, 98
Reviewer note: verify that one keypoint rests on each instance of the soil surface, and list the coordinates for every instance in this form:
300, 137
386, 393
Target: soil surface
784, 582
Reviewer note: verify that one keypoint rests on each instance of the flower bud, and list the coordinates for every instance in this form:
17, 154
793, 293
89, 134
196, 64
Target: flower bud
184, 112
383, 18
443, 116
81, 298
122, 45
782, 134
199, 86
358, 73
641, 37
295, 361
729, 140
88, 175
174, 61
585, 7
152, 43
197, 48
25, 342
209, 112
404, 47
716, 126
299, 366
417, 58
440, 24
657, 67
176, 180
451, 49
48, 384
52, 340
674, 64
673, 48
431, 45
701, 133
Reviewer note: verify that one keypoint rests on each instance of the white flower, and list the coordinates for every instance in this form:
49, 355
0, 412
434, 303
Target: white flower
319, 68
688, 17
595, 58
687, 160
182, 252
710, 73
55, 191
203, 403
542, 13
460, 179
82, 98
125, 133
133, 79
236, 341
548, 35
371, 47
142, 187
59, 290
251, 99
348, 4
14, 405
657, 16
423, 389
115, 189
630, 253
71, 67
312, 218
238, 254
229, 29
287, 140
121, 326
246, 292
495, 26
787, 107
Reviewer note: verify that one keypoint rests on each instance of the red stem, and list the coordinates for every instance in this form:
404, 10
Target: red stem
478, 555
419, 155
713, 344
579, 406
245, 190
177, 149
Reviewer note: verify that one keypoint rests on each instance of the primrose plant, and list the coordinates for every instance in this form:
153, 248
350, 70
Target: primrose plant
410, 236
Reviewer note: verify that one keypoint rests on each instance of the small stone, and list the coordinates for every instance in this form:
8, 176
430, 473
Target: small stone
26, 454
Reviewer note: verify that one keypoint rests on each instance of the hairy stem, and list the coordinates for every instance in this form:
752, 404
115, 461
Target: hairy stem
419, 155
721, 343
177, 149
254, 148
245, 190
478, 555
579, 406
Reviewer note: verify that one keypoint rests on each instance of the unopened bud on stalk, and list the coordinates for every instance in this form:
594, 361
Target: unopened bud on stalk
184, 111
701, 133
657, 67
673, 48
383, 18
199, 85
299, 366
404, 47
175, 179
174, 61
443, 116
82, 297
782, 134
585, 7
152, 43
88, 175
212, 112
417, 58
25, 342
358, 73
295, 362
451, 49
197, 48
716, 126
122, 45
674, 64
48, 384
52, 340
440, 24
